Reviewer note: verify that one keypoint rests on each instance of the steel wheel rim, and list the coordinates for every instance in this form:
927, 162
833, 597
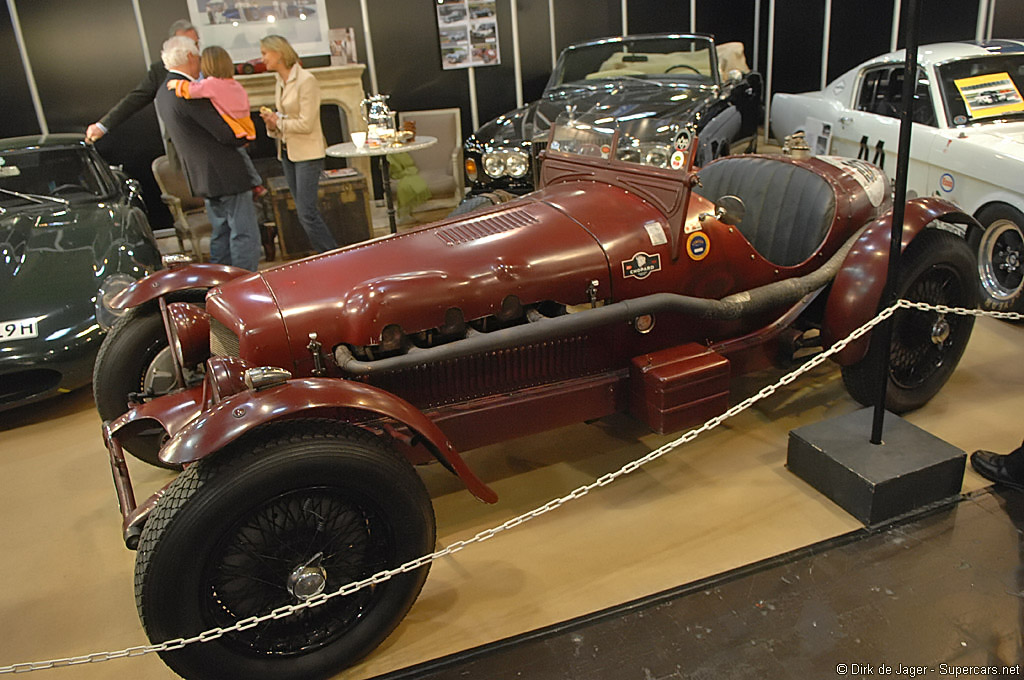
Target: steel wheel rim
922, 341
159, 377
1000, 260
248, 571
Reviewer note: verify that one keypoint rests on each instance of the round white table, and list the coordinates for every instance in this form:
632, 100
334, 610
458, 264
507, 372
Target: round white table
350, 150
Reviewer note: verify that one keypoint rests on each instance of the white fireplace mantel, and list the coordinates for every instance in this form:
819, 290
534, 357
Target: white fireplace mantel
340, 85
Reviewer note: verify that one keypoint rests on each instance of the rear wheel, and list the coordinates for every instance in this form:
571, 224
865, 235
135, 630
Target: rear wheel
301, 508
1000, 249
937, 268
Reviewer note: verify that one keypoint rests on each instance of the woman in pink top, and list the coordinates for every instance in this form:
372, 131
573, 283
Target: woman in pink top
227, 96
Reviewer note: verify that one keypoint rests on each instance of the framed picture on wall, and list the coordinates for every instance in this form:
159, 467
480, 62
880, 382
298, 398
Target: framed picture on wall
468, 33
238, 25
343, 46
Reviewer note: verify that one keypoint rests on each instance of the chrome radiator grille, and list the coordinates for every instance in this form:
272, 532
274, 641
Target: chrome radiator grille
223, 342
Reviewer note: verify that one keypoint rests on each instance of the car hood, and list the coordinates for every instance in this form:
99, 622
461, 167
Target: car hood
1002, 138
636, 103
52, 260
526, 251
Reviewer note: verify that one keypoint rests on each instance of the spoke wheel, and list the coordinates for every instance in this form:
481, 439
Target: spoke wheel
924, 342
294, 546
937, 268
296, 509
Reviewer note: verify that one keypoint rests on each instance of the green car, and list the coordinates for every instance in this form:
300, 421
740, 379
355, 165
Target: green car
73, 234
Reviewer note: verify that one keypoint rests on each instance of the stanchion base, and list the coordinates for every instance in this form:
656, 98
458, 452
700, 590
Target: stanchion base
910, 469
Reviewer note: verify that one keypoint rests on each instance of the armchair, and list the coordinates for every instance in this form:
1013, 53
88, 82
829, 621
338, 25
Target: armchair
188, 211
441, 164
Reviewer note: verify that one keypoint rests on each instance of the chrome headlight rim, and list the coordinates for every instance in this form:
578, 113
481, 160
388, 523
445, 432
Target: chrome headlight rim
494, 164
656, 154
499, 163
106, 314
517, 164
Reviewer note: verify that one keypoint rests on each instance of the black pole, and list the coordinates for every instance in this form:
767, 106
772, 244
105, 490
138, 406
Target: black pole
884, 331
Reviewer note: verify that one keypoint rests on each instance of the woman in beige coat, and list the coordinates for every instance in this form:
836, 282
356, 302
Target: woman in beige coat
296, 126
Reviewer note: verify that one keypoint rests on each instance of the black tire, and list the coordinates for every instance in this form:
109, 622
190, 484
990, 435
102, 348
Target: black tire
223, 541
126, 357
939, 268
1000, 250
135, 358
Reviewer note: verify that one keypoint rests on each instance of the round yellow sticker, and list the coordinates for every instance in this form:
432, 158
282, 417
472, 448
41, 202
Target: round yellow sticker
698, 245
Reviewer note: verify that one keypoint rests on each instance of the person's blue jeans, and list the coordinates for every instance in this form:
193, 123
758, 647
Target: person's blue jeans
303, 180
236, 234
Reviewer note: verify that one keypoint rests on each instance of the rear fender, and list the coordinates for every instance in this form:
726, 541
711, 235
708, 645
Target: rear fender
857, 289
242, 412
177, 278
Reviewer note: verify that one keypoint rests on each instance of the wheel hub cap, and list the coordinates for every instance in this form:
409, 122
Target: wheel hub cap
307, 582
1012, 263
940, 331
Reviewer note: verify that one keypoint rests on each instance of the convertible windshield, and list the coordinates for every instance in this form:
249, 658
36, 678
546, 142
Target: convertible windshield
685, 59
984, 88
61, 173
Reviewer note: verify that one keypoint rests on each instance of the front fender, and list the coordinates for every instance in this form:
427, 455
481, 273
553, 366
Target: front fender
178, 278
857, 289
244, 411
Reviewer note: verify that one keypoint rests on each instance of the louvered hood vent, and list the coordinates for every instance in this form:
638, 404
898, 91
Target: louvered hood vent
486, 226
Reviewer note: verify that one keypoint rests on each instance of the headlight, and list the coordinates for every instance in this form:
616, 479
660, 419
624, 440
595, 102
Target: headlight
656, 154
506, 162
633, 150
471, 169
262, 377
106, 314
190, 333
494, 163
517, 163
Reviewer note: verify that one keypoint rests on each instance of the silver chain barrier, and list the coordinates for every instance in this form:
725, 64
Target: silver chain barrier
487, 534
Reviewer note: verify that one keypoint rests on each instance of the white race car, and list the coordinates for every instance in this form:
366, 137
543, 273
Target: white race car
967, 143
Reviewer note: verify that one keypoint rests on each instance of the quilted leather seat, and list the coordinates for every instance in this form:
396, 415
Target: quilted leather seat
789, 208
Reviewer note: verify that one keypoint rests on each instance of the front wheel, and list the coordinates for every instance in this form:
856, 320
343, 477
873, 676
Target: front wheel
1000, 249
938, 268
134, 359
300, 508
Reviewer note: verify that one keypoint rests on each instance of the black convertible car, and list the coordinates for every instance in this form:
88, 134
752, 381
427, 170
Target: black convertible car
72, 235
658, 87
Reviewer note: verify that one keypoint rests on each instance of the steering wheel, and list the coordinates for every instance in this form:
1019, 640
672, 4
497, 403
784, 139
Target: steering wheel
69, 187
675, 66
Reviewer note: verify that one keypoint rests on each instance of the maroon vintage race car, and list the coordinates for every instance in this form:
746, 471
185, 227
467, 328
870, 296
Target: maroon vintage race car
299, 399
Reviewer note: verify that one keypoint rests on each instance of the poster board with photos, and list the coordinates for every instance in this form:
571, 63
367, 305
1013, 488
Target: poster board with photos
468, 33
238, 25
992, 94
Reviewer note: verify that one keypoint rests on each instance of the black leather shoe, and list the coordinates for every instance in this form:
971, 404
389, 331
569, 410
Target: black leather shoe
992, 466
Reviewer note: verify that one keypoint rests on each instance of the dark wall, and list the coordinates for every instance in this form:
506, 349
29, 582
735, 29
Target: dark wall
1009, 19
19, 115
859, 29
87, 54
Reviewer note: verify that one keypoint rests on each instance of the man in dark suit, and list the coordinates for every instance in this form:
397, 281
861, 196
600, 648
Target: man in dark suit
209, 154
144, 92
